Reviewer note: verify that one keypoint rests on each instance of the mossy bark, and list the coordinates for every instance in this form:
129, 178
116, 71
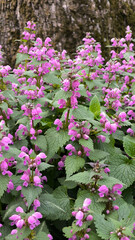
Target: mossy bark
65, 21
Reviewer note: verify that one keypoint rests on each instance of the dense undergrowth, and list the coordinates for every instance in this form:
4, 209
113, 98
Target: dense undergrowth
67, 142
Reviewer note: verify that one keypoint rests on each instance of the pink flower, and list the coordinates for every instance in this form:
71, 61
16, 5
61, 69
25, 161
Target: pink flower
20, 223
102, 138
14, 231
122, 116
106, 170
86, 203
89, 218
37, 180
103, 191
36, 204
50, 237
115, 207
79, 216
116, 188
33, 220
19, 209
58, 123
62, 103
66, 85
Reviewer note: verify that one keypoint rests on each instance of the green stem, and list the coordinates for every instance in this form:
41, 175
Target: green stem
66, 123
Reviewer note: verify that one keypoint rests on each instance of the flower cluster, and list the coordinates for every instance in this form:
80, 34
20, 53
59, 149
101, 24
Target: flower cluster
81, 216
20, 220
78, 115
111, 195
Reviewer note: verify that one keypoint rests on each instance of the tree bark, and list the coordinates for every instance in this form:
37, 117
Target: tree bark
64, 21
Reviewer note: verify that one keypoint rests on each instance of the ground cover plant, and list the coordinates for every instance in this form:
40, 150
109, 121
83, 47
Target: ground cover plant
67, 142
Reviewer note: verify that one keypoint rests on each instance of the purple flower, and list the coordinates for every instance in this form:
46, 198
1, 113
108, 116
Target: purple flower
103, 191
58, 123
116, 188
86, 203
79, 216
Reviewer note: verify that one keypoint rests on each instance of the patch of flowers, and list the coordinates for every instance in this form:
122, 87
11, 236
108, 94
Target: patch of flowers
67, 141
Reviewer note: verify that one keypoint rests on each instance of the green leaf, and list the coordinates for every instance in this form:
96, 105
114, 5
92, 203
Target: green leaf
123, 211
98, 155
114, 236
82, 112
12, 206
41, 142
5, 230
87, 143
95, 106
122, 168
68, 184
67, 232
4, 106
73, 164
55, 140
23, 120
30, 193
30, 74
90, 84
129, 145
109, 181
55, 206
51, 77
42, 228
41, 236
94, 236
82, 90
61, 94
103, 226
128, 231
35, 62
82, 177
133, 88
12, 152
21, 57
11, 78
94, 206
44, 166
118, 135
21, 234
4, 180
127, 55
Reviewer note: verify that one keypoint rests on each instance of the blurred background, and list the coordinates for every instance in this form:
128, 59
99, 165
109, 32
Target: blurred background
65, 22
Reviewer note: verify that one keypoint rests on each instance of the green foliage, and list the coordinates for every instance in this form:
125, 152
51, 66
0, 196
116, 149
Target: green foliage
30, 193
3, 184
95, 205
21, 57
51, 77
129, 145
56, 206
21, 234
82, 112
54, 144
73, 164
97, 154
105, 115
122, 168
87, 143
82, 177
103, 227
42, 236
41, 142
95, 106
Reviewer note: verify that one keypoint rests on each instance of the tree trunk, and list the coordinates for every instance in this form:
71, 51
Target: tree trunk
64, 21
